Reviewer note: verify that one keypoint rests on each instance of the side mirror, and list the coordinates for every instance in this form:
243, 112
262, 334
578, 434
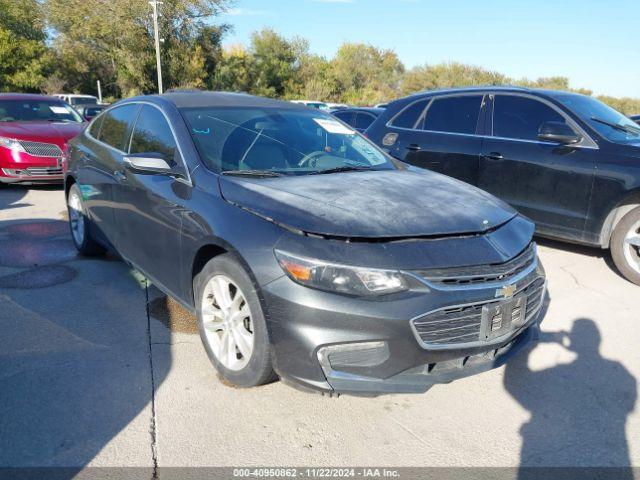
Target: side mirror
149, 163
558, 132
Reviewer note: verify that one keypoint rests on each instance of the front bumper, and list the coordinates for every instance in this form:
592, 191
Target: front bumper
334, 343
18, 167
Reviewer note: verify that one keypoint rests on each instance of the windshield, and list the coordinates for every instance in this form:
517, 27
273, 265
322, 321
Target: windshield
611, 124
283, 141
37, 111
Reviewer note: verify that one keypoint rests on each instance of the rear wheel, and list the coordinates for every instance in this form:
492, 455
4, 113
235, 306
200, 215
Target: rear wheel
231, 323
79, 225
625, 246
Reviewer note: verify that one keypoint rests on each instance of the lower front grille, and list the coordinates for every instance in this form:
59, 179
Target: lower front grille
33, 172
463, 324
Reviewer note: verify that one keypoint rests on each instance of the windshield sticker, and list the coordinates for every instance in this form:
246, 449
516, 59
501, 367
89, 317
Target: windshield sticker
59, 110
333, 126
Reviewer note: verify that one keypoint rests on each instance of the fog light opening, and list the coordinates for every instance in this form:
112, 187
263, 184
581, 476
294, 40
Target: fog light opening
347, 355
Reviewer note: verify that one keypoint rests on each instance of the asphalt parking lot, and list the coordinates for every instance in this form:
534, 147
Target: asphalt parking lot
96, 369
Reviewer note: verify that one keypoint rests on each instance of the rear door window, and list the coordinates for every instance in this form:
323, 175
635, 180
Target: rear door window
408, 118
521, 117
152, 134
116, 126
454, 114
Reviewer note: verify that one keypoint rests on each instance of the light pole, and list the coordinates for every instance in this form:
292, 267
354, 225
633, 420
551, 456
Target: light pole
156, 35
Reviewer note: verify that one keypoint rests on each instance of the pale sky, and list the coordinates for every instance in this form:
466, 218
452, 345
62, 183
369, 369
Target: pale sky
590, 41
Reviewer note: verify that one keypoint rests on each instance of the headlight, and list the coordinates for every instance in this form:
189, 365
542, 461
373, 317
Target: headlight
340, 278
11, 144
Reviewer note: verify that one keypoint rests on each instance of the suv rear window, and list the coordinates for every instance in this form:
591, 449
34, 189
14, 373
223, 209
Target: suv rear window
363, 120
454, 114
410, 115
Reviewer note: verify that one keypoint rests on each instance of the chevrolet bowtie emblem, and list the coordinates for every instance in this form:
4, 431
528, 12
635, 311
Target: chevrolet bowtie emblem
507, 291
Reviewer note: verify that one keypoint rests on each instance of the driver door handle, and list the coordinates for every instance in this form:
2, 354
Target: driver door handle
414, 147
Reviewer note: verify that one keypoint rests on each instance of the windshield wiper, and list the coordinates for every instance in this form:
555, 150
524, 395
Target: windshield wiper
345, 168
617, 126
252, 173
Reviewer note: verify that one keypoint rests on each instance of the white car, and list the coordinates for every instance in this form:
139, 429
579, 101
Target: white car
337, 106
312, 104
74, 99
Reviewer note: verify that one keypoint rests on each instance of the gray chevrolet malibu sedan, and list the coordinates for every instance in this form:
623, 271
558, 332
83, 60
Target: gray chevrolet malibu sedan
306, 252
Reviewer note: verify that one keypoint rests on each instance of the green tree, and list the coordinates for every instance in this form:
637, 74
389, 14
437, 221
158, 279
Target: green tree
24, 57
365, 74
448, 75
274, 64
113, 41
234, 72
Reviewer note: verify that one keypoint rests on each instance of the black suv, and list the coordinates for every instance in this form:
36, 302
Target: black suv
568, 161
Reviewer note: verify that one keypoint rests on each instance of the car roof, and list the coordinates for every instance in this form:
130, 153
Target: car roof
496, 88
374, 110
190, 99
27, 96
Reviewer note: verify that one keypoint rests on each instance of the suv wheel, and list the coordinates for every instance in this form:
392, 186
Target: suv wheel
231, 323
625, 246
79, 225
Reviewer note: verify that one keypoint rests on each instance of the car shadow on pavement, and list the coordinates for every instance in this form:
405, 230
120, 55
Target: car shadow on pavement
11, 196
76, 364
578, 409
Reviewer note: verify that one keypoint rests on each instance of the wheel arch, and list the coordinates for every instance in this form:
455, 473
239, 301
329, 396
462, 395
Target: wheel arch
631, 201
69, 180
210, 249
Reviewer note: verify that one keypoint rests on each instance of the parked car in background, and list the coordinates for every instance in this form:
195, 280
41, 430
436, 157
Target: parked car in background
312, 104
359, 118
34, 131
567, 161
89, 110
75, 99
635, 118
336, 106
304, 250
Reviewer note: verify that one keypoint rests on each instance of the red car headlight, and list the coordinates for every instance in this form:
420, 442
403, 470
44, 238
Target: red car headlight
11, 144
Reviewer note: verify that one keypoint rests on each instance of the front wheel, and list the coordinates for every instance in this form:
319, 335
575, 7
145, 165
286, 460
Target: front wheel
625, 246
231, 323
79, 225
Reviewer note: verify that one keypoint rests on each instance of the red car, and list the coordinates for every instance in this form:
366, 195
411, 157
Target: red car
34, 131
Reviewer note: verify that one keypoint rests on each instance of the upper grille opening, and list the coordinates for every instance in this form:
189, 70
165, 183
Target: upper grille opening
39, 149
459, 276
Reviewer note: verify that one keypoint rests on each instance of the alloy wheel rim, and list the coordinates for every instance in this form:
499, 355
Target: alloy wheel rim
632, 247
227, 322
76, 218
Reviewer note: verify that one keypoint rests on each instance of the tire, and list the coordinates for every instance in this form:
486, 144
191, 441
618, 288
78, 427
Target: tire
231, 323
79, 225
625, 246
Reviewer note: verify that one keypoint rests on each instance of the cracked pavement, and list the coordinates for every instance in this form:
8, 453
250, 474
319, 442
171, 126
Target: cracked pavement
96, 369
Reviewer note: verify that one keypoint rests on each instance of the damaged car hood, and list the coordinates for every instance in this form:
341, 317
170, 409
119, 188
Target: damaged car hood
377, 204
